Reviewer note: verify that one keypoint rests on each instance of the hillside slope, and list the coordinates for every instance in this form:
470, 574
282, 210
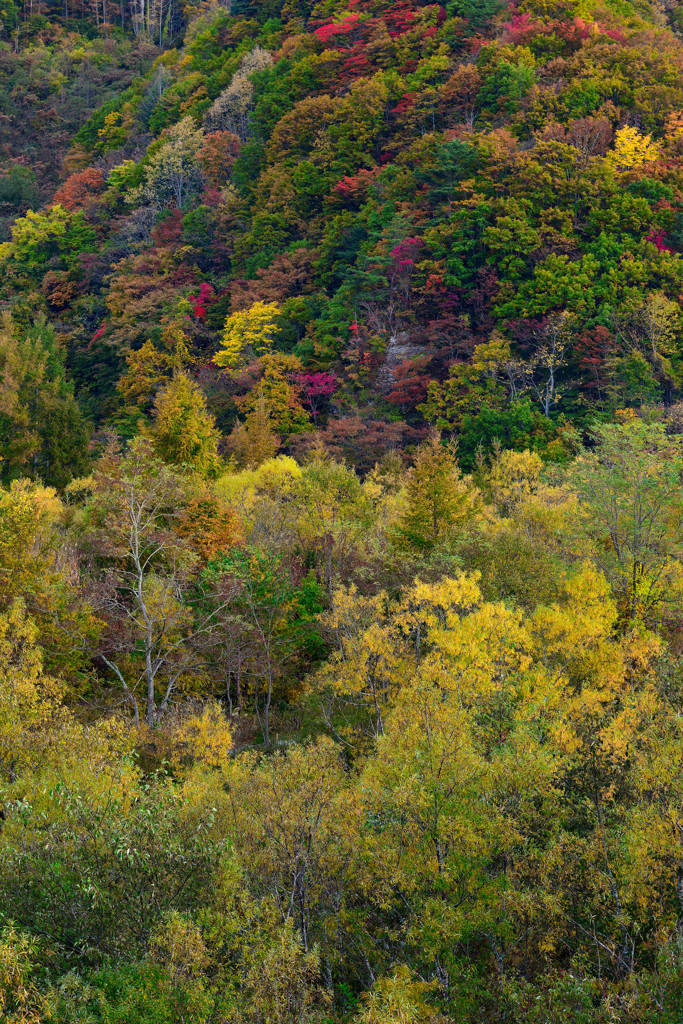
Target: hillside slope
466, 216
341, 513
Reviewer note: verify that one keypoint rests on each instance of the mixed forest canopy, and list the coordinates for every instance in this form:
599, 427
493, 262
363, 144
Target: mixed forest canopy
341, 512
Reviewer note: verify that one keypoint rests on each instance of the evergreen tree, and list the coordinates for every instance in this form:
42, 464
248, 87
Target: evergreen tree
438, 500
184, 431
42, 430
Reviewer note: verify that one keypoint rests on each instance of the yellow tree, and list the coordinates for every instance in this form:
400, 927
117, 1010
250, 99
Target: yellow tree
281, 395
379, 645
399, 998
254, 441
20, 1000
366, 670
149, 367
293, 829
631, 149
36, 567
247, 332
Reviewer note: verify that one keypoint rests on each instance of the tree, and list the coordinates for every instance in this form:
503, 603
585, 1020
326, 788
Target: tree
631, 149
173, 173
37, 567
79, 189
549, 359
145, 594
247, 331
286, 986
290, 822
40, 239
366, 670
84, 876
30, 701
265, 600
652, 330
631, 489
231, 110
254, 441
217, 154
399, 999
20, 1000
489, 380
151, 366
183, 431
438, 500
279, 388
333, 515
42, 430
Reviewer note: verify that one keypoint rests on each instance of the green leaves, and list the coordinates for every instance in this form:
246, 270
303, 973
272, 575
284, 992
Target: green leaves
113, 869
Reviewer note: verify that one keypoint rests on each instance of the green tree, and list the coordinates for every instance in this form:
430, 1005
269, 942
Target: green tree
42, 430
102, 881
438, 500
630, 485
41, 239
265, 599
184, 431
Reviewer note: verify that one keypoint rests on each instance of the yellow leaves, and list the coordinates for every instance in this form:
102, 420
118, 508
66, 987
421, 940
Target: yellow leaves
204, 739
399, 999
274, 478
479, 654
514, 476
439, 604
583, 622
674, 126
368, 666
162, 605
351, 612
285, 985
150, 367
179, 946
247, 331
38, 735
29, 700
631, 149
380, 644
439, 501
20, 1000
195, 739
111, 132
29, 514
543, 512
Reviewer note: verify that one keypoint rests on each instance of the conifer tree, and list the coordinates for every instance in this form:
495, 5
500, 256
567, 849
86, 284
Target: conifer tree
254, 441
42, 430
184, 432
438, 500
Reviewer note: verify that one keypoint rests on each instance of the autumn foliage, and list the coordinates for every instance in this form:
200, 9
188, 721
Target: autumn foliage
341, 528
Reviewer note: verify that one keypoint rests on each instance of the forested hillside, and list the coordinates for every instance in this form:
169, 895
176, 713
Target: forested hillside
341, 512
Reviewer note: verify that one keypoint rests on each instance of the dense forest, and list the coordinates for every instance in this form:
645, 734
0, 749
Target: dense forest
341, 512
